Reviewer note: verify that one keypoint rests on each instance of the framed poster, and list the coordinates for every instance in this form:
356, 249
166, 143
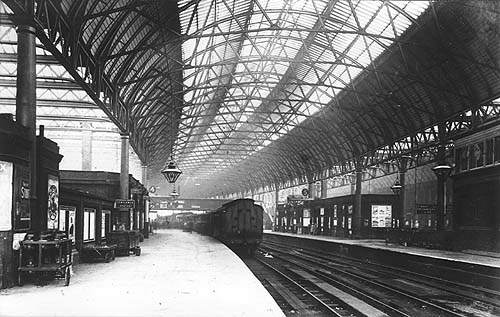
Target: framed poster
105, 228
6, 175
381, 216
22, 217
307, 222
62, 220
72, 224
53, 202
70, 214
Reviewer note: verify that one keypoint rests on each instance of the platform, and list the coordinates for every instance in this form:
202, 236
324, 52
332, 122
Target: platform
177, 274
467, 257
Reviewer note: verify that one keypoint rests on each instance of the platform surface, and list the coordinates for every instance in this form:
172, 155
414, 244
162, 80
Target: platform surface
492, 260
177, 274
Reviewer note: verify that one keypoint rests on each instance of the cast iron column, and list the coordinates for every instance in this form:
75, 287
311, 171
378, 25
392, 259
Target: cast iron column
441, 188
124, 178
145, 214
357, 223
402, 197
26, 98
276, 220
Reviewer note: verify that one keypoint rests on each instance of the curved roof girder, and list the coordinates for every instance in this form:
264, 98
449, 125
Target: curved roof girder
329, 110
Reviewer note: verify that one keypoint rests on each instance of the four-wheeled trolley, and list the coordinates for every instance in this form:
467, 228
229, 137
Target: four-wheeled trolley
126, 241
45, 259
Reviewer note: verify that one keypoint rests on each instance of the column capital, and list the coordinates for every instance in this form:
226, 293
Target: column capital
24, 23
125, 135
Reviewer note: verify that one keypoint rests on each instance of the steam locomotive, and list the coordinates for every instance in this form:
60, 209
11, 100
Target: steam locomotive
238, 224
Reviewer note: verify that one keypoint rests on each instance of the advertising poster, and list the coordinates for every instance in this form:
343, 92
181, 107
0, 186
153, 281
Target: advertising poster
53, 202
307, 213
6, 170
22, 216
71, 214
62, 220
381, 216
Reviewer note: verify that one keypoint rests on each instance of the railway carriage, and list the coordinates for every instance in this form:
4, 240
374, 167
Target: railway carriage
238, 224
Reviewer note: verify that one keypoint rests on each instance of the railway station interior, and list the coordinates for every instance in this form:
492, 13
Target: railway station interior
129, 128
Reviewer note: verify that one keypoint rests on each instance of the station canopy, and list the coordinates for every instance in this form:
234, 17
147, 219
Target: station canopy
250, 93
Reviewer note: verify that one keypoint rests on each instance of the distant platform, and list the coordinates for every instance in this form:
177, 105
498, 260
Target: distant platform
177, 274
487, 259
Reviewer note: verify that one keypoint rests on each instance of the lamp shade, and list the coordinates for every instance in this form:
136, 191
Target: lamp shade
171, 172
442, 170
397, 187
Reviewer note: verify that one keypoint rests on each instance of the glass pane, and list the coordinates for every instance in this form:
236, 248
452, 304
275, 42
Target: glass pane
103, 225
86, 225
92, 225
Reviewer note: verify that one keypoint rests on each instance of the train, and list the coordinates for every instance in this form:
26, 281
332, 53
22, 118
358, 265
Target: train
238, 224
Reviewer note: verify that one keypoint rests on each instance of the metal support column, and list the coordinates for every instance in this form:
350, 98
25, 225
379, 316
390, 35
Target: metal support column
145, 214
402, 198
124, 180
357, 222
26, 98
276, 219
441, 189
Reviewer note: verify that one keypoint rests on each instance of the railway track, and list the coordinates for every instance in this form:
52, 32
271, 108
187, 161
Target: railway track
295, 295
462, 291
383, 290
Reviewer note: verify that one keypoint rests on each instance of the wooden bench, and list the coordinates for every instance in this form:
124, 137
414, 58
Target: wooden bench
94, 252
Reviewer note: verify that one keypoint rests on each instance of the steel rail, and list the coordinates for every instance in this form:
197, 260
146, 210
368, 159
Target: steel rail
321, 302
382, 286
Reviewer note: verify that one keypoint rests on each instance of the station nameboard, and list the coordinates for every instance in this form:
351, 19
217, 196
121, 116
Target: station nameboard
124, 203
426, 209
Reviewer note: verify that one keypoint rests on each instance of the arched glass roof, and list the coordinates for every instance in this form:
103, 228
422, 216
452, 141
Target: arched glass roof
249, 93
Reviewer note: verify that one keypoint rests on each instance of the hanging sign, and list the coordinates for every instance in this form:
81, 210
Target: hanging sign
124, 203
